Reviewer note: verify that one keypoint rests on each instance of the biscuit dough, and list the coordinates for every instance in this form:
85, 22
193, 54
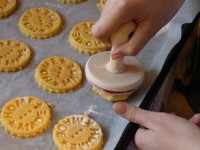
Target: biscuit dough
58, 75
72, 1
7, 7
81, 39
101, 4
25, 116
40, 23
78, 132
14, 55
111, 97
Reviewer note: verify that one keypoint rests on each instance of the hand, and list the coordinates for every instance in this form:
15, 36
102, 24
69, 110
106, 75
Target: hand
196, 119
161, 131
150, 16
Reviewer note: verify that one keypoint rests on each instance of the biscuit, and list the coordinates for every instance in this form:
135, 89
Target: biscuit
109, 96
58, 75
40, 23
81, 39
25, 116
14, 55
7, 7
101, 4
78, 132
72, 1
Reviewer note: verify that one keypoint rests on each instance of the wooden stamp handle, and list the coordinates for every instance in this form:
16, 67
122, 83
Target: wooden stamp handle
119, 37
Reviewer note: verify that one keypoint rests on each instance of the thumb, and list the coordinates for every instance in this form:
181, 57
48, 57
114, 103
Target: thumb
135, 114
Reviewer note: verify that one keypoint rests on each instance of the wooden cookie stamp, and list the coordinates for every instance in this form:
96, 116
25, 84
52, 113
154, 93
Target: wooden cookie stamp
115, 80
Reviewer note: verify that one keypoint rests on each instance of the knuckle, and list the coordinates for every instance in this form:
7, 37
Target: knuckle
130, 50
133, 115
162, 119
99, 33
123, 3
197, 115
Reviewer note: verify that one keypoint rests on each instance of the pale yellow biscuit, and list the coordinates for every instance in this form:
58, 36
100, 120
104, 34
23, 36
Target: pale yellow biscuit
101, 4
111, 97
14, 55
25, 116
81, 39
72, 1
7, 7
58, 75
78, 132
40, 23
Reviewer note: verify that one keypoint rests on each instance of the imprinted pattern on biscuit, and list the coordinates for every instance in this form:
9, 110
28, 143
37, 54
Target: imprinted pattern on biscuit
14, 55
25, 116
58, 75
40, 23
78, 132
81, 39
7, 7
101, 4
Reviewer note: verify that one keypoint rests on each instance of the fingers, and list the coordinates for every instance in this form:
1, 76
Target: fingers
143, 137
111, 18
136, 115
196, 119
141, 36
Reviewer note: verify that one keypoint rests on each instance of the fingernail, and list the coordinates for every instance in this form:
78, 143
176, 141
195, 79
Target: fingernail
120, 108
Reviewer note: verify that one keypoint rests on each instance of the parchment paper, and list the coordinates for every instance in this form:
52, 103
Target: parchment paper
22, 83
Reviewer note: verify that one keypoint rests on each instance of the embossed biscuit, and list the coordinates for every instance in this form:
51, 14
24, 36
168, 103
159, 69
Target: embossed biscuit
72, 1
101, 4
40, 23
58, 75
78, 132
7, 7
25, 116
14, 55
81, 39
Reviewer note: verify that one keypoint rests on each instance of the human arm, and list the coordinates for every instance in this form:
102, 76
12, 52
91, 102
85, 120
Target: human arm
161, 130
150, 16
